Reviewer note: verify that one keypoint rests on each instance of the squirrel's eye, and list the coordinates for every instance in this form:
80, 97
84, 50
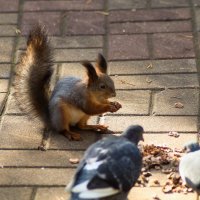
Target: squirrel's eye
102, 86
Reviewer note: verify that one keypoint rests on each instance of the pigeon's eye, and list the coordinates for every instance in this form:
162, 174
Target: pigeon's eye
102, 86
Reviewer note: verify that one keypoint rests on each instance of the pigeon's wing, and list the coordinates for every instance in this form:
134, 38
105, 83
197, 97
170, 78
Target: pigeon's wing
120, 169
93, 157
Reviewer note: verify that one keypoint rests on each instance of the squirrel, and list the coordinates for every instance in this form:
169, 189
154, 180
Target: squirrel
73, 100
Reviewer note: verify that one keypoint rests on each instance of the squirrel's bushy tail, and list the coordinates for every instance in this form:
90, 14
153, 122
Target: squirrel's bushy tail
33, 74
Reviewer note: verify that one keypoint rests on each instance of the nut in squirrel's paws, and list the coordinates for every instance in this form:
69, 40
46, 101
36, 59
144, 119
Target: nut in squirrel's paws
115, 106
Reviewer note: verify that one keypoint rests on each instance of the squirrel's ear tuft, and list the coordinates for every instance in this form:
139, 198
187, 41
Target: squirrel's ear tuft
91, 72
101, 64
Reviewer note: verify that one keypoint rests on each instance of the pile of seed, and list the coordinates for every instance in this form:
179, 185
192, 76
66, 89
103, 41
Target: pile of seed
164, 160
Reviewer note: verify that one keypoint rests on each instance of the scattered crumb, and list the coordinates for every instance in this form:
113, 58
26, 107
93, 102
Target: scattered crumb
74, 160
178, 105
174, 134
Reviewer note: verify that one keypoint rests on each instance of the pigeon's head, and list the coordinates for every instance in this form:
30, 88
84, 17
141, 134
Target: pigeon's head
134, 133
191, 147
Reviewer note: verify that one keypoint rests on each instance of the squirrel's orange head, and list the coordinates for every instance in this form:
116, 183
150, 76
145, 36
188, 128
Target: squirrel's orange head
99, 82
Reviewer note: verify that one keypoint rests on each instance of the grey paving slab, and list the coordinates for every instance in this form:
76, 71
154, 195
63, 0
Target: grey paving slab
35, 176
14, 193
70, 55
150, 27
35, 158
8, 30
165, 102
126, 4
169, 3
19, 132
51, 193
4, 83
169, 141
153, 66
156, 81
173, 45
72, 69
133, 102
8, 18
149, 15
12, 106
6, 46
62, 5
153, 123
5, 70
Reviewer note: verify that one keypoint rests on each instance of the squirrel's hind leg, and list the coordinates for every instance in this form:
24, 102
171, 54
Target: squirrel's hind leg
65, 123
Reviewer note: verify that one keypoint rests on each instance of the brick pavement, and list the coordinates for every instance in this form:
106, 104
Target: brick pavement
153, 48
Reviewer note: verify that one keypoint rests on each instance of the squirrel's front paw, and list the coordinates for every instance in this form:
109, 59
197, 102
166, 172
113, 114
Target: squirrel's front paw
114, 106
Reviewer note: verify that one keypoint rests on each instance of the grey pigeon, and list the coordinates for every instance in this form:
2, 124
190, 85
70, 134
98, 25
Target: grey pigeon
189, 167
109, 168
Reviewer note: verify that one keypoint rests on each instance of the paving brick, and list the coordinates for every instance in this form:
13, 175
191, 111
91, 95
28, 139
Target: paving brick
18, 132
173, 45
39, 176
77, 42
51, 20
147, 193
164, 103
12, 106
83, 23
14, 193
68, 55
51, 193
150, 27
196, 2
156, 81
169, 3
126, 4
124, 47
35, 158
62, 5
4, 85
7, 30
133, 102
9, 5
197, 14
2, 101
8, 18
165, 139
153, 123
6, 45
154, 66
5, 70
149, 15
73, 69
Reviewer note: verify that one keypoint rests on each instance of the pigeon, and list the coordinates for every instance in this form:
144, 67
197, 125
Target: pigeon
109, 168
189, 167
